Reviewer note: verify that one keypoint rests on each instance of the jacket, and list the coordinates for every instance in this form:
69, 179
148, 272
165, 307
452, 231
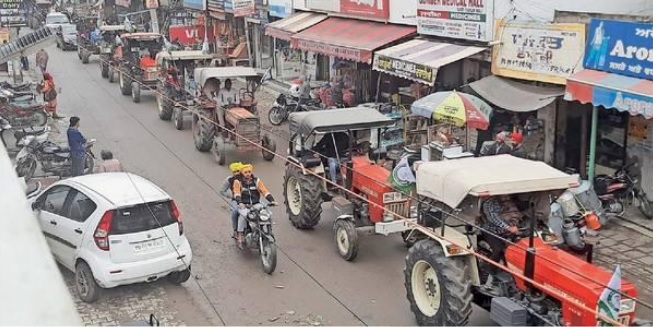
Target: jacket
76, 141
250, 191
228, 185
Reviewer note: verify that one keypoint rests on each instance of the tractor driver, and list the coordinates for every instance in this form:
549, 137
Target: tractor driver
502, 218
225, 97
334, 147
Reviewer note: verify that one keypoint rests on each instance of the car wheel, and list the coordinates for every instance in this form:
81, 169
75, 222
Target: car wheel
87, 289
179, 277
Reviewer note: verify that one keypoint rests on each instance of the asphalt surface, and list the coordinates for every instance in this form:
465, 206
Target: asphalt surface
311, 285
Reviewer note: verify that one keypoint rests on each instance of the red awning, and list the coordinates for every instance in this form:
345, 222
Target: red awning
297, 22
349, 38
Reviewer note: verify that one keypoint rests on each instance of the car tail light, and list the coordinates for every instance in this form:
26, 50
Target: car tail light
176, 215
102, 230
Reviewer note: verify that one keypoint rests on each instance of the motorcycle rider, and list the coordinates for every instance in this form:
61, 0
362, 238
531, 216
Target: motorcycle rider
248, 190
227, 187
76, 142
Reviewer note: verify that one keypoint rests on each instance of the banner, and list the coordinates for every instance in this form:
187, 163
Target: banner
215, 5
620, 47
366, 8
195, 4
402, 176
408, 70
458, 19
244, 8
280, 8
538, 51
610, 300
186, 35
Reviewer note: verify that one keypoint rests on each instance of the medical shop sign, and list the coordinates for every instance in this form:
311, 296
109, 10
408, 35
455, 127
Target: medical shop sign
458, 19
412, 71
620, 47
538, 51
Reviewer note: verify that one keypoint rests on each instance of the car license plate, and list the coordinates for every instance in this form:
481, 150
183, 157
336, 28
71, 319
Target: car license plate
147, 246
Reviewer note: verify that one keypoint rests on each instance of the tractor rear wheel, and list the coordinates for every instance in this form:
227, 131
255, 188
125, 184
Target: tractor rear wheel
303, 198
203, 133
111, 74
438, 288
125, 83
163, 105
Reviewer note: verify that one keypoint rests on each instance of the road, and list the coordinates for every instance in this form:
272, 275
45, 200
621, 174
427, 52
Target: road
312, 284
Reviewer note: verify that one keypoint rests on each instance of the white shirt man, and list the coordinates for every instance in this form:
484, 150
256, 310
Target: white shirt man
225, 96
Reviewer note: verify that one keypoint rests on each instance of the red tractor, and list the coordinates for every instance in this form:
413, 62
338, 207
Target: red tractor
305, 186
136, 60
542, 285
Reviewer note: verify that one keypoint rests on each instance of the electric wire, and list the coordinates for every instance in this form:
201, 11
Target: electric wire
422, 229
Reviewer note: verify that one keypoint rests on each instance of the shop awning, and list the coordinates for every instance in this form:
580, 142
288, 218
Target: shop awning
515, 96
349, 39
611, 91
295, 23
419, 60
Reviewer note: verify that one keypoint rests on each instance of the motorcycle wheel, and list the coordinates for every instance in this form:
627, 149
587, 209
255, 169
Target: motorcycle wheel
26, 168
277, 115
268, 255
40, 118
645, 206
89, 164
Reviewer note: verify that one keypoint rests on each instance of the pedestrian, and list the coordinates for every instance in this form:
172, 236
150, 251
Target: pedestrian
109, 164
76, 142
49, 90
42, 60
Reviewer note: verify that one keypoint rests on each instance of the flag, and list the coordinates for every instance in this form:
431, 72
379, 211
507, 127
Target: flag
402, 176
610, 300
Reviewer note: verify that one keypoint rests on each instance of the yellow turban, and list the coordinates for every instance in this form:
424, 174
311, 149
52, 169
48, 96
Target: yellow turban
236, 166
247, 167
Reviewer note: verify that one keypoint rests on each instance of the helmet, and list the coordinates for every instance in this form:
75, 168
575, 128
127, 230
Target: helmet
294, 90
106, 155
234, 167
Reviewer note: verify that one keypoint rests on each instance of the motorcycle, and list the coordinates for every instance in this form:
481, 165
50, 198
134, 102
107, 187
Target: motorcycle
23, 114
287, 103
22, 87
258, 234
4, 126
53, 158
619, 190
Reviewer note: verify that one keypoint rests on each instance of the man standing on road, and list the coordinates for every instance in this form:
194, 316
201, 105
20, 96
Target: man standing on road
42, 60
76, 142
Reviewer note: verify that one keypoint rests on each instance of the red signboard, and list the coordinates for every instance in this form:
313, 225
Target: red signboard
244, 8
366, 8
187, 35
334, 50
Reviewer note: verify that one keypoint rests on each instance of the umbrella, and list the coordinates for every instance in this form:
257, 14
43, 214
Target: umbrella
454, 107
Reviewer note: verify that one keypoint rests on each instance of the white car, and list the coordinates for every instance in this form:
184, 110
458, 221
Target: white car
113, 229
55, 19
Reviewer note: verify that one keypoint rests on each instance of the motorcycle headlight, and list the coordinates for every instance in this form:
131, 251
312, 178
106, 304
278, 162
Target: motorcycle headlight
265, 215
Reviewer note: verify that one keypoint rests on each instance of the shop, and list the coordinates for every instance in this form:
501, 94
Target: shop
613, 97
228, 30
528, 82
344, 54
289, 63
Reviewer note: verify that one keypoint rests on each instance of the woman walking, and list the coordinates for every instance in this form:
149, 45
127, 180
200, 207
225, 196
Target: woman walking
48, 88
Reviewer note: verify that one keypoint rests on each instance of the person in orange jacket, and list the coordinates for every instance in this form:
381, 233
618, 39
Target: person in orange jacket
247, 190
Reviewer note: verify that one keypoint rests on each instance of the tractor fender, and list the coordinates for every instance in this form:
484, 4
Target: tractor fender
319, 170
344, 217
453, 239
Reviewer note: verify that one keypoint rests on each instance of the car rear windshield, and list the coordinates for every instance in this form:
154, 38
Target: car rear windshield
142, 217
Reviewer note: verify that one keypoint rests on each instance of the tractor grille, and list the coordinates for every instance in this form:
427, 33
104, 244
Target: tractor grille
248, 129
400, 208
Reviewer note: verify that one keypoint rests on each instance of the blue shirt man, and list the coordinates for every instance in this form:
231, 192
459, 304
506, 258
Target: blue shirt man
76, 142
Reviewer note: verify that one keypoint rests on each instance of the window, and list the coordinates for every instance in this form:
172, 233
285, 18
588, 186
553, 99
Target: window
53, 201
81, 207
142, 217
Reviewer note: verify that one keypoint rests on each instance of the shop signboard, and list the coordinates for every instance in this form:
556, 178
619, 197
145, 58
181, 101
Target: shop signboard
458, 19
280, 8
12, 12
195, 4
366, 8
124, 3
538, 51
624, 48
323, 5
405, 69
187, 35
243, 8
334, 50
215, 5
403, 12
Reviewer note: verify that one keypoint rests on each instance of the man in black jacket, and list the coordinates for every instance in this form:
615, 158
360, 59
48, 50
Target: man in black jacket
334, 146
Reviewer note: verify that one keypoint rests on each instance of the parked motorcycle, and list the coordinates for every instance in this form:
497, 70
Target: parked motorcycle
4, 126
52, 157
23, 114
258, 235
288, 102
22, 87
619, 190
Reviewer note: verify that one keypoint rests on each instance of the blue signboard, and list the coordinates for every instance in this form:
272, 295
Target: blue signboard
620, 47
280, 8
195, 4
228, 6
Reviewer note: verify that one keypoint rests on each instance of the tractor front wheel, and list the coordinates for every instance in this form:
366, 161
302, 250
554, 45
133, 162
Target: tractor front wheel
125, 83
346, 239
136, 92
164, 107
303, 198
111, 73
269, 148
104, 69
438, 288
203, 133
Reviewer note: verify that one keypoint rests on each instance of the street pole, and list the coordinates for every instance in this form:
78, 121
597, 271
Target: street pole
154, 21
594, 131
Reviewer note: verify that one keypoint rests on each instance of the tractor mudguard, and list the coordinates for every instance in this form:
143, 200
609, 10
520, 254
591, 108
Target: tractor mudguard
459, 240
316, 169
